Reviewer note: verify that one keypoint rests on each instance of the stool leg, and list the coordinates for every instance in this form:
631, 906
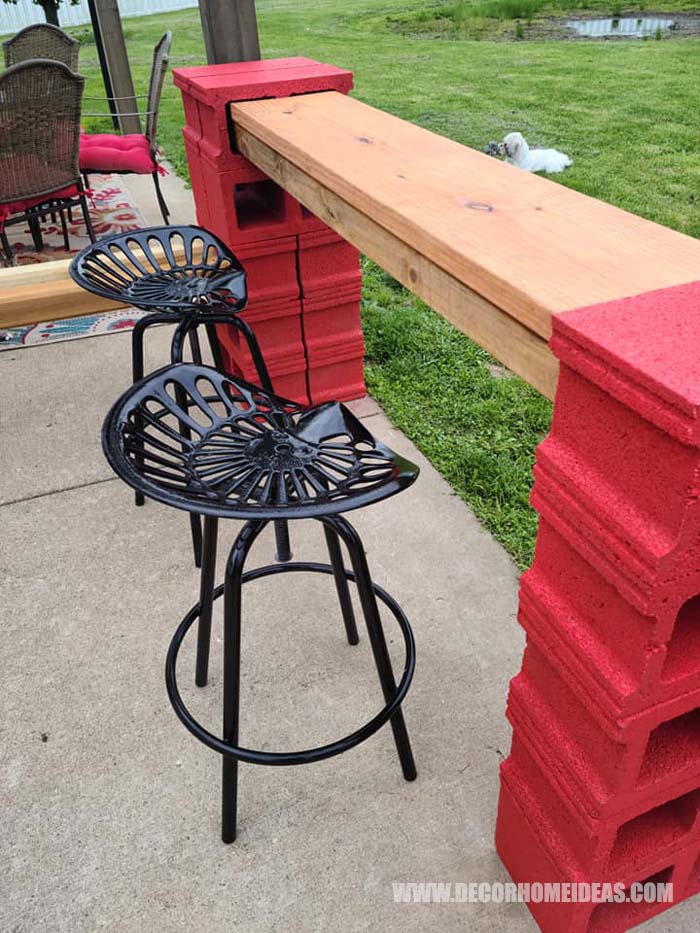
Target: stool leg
284, 549
195, 520
176, 348
232, 664
195, 347
376, 636
137, 364
341, 585
206, 598
215, 346
137, 373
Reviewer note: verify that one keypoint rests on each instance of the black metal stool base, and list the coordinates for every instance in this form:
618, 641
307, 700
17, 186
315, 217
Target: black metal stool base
228, 745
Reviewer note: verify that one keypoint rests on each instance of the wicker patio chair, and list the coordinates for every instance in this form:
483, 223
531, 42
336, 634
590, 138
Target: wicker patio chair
135, 153
39, 138
41, 40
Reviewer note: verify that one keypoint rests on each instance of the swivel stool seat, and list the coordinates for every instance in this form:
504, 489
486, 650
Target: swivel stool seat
184, 276
194, 439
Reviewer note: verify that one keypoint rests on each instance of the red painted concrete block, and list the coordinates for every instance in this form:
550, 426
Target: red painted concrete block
332, 318
610, 849
278, 329
245, 206
256, 218
271, 271
604, 769
197, 179
334, 345
310, 223
603, 779
327, 263
340, 380
288, 383
526, 839
207, 90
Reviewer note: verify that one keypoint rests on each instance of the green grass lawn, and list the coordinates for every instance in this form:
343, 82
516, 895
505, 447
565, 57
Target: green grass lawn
627, 111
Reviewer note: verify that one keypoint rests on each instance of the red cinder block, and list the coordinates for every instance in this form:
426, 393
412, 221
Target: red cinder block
333, 320
568, 604
278, 329
288, 383
245, 206
271, 272
603, 769
524, 838
338, 381
334, 345
327, 263
207, 91
603, 780
197, 179
310, 222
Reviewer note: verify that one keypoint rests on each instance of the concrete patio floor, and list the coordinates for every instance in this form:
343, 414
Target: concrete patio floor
111, 809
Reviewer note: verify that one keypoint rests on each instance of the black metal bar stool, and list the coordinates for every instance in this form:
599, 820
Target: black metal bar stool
183, 276
247, 454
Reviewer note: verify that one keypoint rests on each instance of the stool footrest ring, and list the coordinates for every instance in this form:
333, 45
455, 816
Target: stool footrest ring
306, 756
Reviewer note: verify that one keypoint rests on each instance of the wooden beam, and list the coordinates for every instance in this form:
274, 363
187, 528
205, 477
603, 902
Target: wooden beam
230, 30
529, 246
520, 349
44, 292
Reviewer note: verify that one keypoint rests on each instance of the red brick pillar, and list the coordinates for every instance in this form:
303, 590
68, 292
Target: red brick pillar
304, 280
603, 780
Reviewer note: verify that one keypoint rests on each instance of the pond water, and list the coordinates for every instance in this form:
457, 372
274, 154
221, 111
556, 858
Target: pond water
633, 26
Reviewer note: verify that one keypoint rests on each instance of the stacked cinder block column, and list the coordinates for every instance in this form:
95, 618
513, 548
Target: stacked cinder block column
331, 288
304, 280
603, 780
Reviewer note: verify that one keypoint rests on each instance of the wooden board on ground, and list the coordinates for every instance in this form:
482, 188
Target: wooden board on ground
526, 245
44, 292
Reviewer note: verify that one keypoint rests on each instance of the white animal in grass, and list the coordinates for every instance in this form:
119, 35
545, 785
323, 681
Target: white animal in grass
518, 153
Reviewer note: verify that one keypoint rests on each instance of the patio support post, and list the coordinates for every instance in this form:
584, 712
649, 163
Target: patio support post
602, 784
114, 45
304, 281
230, 30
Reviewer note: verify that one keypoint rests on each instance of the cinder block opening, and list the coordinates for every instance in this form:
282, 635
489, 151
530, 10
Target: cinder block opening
672, 747
665, 825
683, 651
258, 204
624, 914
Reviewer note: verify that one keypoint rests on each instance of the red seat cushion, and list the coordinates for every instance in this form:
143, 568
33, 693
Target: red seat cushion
106, 152
18, 207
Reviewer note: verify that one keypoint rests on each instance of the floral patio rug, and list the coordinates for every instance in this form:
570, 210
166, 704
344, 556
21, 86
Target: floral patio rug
112, 210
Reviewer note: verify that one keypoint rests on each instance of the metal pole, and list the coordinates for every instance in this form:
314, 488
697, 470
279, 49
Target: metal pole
103, 62
118, 65
230, 30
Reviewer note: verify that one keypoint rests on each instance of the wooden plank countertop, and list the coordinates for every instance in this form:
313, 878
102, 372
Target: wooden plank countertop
457, 226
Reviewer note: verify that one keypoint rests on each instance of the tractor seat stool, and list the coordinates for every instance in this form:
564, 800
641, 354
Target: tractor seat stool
195, 439
183, 276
